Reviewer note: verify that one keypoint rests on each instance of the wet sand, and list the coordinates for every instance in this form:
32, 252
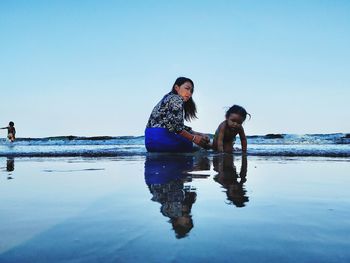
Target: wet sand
150, 209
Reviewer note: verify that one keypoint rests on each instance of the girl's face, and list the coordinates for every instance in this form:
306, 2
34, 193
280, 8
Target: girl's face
234, 120
185, 90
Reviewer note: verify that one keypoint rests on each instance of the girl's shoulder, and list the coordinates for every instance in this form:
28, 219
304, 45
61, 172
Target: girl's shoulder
222, 125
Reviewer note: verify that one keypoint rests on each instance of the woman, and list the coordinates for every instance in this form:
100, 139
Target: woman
165, 130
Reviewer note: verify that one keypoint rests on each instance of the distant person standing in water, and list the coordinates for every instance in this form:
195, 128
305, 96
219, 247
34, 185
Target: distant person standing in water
11, 131
165, 130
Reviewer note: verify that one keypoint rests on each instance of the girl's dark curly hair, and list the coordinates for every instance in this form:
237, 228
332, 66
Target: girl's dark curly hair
238, 110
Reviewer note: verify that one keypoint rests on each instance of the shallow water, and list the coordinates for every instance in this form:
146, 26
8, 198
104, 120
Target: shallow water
327, 145
160, 208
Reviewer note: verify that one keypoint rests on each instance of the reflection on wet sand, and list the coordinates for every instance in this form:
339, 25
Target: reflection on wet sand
166, 177
10, 167
231, 181
10, 164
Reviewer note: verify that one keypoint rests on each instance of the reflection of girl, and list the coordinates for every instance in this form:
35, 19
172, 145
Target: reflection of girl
229, 179
165, 130
165, 177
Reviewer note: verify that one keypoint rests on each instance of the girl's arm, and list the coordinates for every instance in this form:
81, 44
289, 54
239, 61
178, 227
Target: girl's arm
243, 140
244, 166
220, 137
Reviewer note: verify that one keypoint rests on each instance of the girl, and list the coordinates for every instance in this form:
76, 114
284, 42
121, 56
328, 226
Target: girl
226, 132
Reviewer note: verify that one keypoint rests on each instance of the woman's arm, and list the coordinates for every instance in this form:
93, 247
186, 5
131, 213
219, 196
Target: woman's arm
196, 138
174, 120
206, 136
174, 114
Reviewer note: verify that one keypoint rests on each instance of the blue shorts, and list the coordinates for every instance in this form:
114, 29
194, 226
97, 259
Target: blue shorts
161, 140
161, 169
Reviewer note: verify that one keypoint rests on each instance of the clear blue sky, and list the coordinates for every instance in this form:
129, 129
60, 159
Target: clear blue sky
99, 67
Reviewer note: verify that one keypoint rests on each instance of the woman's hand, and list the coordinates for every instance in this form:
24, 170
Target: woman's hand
201, 140
205, 136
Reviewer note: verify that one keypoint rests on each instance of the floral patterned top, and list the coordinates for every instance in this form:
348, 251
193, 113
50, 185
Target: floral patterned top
169, 113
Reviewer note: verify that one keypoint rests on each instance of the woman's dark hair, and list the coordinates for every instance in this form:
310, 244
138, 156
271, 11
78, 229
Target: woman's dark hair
237, 110
182, 230
189, 106
11, 123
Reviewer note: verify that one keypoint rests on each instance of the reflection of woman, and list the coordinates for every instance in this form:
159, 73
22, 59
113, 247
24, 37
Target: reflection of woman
165, 177
165, 131
229, 179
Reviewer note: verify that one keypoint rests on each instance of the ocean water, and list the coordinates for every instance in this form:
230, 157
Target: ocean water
105, 199
328, 145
